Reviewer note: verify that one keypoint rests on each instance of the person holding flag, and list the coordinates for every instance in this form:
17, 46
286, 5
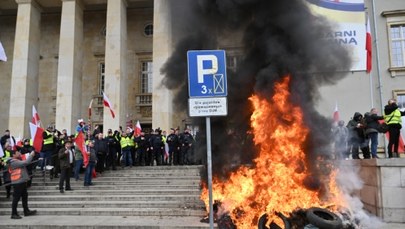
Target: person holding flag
91, 164
19, 177
392, 116
7, 153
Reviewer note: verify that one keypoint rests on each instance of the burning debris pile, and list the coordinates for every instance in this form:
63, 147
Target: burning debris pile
272, 124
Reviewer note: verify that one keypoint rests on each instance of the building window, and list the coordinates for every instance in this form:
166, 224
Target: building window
232, 62
399, 95
101, 70
148, 30
146, 77
397, 35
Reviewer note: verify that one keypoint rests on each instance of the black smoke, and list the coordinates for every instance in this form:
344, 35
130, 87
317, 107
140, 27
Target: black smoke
276, 38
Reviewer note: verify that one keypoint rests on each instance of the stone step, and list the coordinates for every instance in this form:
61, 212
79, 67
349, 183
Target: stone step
115, 211
126, 183
103, 222
34, 192
111, 204
119, 187
68, 197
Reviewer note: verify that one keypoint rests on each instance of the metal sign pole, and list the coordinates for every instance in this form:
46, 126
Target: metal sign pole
209, 162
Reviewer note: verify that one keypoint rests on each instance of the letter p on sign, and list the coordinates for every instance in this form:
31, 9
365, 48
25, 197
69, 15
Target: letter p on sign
201, 71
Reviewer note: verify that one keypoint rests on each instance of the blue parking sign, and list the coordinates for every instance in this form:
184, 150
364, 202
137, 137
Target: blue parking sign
207, 73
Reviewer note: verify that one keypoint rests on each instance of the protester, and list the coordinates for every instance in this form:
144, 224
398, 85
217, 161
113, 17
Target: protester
19, 178
91, 164
66, 159
392, 116
371, 120
101, 148
341, 134
357, 137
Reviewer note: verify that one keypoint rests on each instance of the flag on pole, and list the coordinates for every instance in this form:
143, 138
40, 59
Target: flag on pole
13, 143
336, 117
3, 56
35, 117
91, 103
108, 104
138, 129
368, 46
36, 136
81, 144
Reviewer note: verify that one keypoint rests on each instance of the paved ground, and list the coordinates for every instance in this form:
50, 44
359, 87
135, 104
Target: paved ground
117, 222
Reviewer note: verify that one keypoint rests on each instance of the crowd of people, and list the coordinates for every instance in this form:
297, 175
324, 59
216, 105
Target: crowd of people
63, 158
361, 133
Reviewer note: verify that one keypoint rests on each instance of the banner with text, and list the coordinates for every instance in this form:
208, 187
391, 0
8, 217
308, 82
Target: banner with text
350, 30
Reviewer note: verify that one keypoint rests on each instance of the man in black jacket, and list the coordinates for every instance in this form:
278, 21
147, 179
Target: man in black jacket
66, 159
101, 148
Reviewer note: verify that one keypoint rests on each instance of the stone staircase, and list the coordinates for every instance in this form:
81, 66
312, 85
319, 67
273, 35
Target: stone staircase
138, 197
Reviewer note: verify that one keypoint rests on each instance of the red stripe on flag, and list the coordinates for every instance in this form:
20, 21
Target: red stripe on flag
368, 47
80, 142
36, 136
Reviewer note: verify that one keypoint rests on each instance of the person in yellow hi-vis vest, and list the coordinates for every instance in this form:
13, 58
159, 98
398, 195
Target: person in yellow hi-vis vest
126, 142
19, 177
392, 116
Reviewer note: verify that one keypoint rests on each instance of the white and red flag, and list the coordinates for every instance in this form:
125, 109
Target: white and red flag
36, 136
108, 104
336, 117
138, 129
3, 56
166, 156
81, 144
25, 156
35, 117
91, 103
368, 47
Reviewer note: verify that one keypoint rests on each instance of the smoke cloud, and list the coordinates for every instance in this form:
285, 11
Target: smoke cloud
276, 38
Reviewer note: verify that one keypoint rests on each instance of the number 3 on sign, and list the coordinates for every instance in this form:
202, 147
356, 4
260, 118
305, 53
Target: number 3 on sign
204, 89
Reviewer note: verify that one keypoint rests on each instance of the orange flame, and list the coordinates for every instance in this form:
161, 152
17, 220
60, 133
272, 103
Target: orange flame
276, 181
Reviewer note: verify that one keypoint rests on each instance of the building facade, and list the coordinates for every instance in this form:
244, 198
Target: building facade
62, 54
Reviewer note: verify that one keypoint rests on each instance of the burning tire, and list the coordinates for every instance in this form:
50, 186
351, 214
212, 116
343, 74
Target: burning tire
323, 218
262, 221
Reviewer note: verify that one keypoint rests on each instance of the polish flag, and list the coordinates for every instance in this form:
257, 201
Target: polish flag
18, 141
336, 114
36, 136
368, 46
108, 104
81, 144
35, 117
138, 129
25, 156
13, 143
166, 151
3, 56
91, 103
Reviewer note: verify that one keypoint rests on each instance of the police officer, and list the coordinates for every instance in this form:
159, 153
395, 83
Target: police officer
19, 177
173, 141
112, 143
186, 141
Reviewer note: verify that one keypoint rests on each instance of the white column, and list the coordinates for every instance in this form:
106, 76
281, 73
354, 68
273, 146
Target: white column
162, 107
115, 64
69, 82
24, 76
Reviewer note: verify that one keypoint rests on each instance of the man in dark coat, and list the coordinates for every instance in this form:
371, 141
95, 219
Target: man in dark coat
66, 159
101, 148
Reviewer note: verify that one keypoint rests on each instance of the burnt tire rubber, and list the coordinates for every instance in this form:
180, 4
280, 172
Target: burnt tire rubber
262, 221
323, 218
